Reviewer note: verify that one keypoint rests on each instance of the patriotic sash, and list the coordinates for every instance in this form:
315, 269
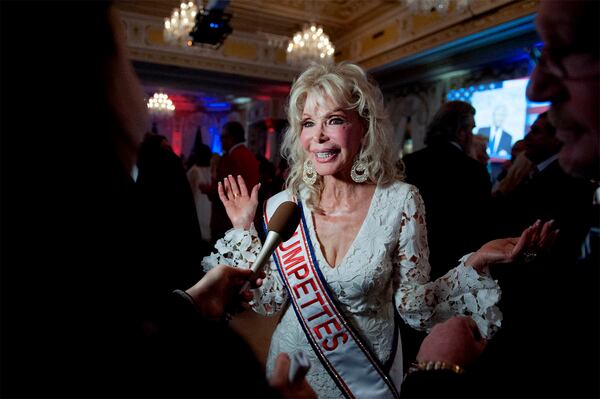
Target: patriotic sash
354, 369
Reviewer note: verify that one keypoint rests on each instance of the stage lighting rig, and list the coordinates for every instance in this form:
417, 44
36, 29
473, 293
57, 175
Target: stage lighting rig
212, 27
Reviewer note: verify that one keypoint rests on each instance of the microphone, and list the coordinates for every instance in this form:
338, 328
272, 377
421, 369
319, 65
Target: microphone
281, 227
299, 366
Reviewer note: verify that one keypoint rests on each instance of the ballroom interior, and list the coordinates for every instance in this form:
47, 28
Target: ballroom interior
420, 52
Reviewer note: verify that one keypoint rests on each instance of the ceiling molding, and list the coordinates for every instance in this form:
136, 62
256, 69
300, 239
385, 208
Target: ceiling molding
381, 35
255, 59
457, 30
187, 80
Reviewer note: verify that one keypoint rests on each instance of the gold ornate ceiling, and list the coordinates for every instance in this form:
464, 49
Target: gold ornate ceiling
282, 17
378, 34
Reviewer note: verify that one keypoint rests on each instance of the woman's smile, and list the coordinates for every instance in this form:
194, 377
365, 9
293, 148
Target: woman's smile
326, 156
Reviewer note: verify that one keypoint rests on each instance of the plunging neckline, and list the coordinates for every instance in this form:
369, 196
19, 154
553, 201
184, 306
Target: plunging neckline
315, 237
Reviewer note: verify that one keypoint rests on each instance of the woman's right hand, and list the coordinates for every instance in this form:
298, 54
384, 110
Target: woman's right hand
240, 206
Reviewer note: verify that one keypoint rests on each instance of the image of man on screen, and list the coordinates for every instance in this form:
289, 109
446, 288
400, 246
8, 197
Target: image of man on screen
499, 140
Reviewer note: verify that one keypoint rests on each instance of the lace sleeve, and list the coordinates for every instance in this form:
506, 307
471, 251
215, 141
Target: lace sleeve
423, 303
239, 248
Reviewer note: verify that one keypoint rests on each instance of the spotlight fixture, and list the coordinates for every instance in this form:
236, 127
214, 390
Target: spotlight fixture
212, 27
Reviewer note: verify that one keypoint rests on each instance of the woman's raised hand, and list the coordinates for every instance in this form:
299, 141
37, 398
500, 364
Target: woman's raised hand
240, 206
534, 240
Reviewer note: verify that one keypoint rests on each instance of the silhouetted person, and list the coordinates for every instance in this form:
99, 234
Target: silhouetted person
548, 289
547, 193
74, 303
514, 170
199, 150
168, 220
199, 174
558, 326
455, 187
237, 160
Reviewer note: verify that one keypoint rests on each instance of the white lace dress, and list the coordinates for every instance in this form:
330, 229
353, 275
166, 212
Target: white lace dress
386, 266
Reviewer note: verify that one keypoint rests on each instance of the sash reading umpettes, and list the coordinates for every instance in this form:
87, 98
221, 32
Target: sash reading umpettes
354, 369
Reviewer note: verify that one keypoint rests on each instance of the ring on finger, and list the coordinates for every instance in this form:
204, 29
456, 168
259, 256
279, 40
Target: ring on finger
529, 256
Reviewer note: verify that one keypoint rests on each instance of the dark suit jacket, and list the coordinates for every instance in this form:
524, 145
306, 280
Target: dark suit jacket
505, 141
550, 194
456, 190
167, 211
550, 306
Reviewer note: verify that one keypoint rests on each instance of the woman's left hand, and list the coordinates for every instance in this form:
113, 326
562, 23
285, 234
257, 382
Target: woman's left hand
534, 240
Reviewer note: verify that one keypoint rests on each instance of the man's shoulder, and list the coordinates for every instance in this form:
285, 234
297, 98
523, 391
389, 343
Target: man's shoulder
418, 156
242, 150
243, 153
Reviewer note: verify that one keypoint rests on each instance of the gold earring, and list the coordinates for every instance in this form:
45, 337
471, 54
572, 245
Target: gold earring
309, 173
359, 173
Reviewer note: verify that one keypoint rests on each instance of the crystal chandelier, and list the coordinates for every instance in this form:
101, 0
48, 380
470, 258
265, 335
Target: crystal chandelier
178, 26
310, 45
440, 6
160, 105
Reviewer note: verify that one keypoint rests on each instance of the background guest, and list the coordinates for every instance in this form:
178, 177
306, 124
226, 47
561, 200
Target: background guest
237, 160
452, 184
199, 174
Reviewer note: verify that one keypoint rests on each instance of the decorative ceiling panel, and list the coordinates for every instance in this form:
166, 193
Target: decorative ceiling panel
381, 35
281, 17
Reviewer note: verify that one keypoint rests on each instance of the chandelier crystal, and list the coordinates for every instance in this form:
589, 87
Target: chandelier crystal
440, 6
310, 45
160, 105
179, 25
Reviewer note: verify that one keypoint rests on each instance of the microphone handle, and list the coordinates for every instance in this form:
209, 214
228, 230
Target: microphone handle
271, 242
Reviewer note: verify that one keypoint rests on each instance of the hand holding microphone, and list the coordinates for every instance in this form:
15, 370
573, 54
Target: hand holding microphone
241, 208
299, 366
213, 293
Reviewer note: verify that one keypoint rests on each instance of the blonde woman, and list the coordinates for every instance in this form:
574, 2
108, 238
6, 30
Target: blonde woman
360, 255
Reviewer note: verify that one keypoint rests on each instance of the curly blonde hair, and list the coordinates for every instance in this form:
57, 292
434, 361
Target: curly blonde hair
348, 86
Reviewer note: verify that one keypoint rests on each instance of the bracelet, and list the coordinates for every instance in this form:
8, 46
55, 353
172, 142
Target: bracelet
189, 299
435, 365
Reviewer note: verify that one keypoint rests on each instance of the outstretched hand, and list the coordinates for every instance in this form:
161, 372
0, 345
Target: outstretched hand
239, 205
534, 240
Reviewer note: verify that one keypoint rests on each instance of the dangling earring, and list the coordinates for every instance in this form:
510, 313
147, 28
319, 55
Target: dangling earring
358, 173
309, 173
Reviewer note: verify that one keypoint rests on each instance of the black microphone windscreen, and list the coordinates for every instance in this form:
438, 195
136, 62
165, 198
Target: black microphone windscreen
285, 220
